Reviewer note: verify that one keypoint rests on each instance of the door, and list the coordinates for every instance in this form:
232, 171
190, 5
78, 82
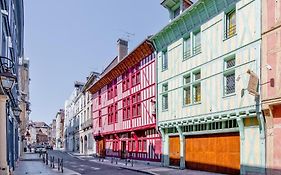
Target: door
174, 151
101, 148
123, 150
218, 153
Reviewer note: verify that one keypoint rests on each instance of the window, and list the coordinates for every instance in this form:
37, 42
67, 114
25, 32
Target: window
165, 96
126, 109
177, 12
196, 43
144, 145
197, 87
139, 145
192, 88
187, 48
125, 81
100, 119
136, 105
136, 76
164, 60
230, 28
99, 100
229, 76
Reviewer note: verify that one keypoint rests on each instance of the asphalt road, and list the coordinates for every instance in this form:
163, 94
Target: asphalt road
86, 167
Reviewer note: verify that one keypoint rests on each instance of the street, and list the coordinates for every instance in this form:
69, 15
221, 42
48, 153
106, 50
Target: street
88, 167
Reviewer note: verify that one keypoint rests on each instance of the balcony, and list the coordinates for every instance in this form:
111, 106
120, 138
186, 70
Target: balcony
87, 124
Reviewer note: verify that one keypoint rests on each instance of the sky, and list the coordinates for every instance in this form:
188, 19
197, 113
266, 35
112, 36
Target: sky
67, 39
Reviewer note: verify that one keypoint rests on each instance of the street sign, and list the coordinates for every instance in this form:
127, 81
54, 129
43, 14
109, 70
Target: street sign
253, 83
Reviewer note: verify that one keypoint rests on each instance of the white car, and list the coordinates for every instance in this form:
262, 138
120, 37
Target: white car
40, 148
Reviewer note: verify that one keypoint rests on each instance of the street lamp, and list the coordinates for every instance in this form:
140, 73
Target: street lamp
7, 78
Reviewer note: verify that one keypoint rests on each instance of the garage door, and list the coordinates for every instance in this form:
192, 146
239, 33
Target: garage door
174, 151
216, 153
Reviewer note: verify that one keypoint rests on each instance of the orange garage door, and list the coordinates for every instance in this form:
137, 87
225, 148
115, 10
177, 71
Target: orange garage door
174, 151
216, 153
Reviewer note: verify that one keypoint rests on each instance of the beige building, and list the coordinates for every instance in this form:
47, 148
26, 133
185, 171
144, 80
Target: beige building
24, 103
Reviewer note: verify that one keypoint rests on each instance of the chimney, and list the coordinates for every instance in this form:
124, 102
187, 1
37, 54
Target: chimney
122, 49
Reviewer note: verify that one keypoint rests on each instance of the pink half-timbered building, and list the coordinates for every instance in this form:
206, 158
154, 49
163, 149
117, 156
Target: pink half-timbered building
124, 120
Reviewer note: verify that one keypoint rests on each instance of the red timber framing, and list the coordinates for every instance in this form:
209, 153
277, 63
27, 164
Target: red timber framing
123, 107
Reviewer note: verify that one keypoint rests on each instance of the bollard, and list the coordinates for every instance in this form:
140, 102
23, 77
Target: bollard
43, 158
116, 161
61, 165
51, 161
126, 161
102, 159
54, 162
111, 160
132, 164
58, 164
47, 158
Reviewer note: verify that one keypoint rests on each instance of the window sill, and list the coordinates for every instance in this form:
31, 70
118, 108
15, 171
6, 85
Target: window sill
192, 104
229, 95
164, 110
227, 38
163, 70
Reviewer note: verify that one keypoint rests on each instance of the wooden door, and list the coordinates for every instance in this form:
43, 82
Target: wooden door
123, 150
174, 151
101, 148
218, 153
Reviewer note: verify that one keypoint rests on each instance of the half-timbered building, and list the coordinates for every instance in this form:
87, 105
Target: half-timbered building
124, 121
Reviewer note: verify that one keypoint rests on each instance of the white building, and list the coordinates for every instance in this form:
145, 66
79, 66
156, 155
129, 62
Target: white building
87, 142
59, 128
71, 122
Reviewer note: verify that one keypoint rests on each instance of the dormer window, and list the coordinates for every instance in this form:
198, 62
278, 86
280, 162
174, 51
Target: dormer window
176, 7
176, 12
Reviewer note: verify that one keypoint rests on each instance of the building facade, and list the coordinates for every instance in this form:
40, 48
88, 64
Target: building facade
12, 49
270, 82
208, 114
24, 101
124, 122
59, 129
87, 142
71, 121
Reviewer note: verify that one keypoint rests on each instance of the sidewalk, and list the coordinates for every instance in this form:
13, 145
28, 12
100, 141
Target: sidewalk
147, 167
31, 164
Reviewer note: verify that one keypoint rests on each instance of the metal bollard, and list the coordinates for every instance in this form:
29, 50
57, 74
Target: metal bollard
116, 161
132, 163
111, 160
54, 162
102, 159
47, 158
61, 165
43, 158
126, 161
58, 164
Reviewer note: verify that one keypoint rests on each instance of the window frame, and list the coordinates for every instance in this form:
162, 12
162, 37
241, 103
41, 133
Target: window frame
229, 71
164, 56
227, 23
165, 95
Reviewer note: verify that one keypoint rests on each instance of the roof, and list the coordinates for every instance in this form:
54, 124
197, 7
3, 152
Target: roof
40, 125
190, 19
141, 51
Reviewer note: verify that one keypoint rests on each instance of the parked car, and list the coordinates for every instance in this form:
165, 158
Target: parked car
40, 148
49, 147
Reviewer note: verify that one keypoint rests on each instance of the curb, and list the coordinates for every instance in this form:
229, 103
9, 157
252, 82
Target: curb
140, 171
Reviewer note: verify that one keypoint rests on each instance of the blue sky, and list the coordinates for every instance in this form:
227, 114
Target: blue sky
67, 39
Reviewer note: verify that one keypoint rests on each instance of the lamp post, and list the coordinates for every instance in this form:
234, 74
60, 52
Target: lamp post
7, 81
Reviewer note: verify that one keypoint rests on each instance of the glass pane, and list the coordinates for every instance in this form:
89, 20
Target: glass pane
197, 76
187, 79
187, 95
230, 83
230, 63
197, 93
